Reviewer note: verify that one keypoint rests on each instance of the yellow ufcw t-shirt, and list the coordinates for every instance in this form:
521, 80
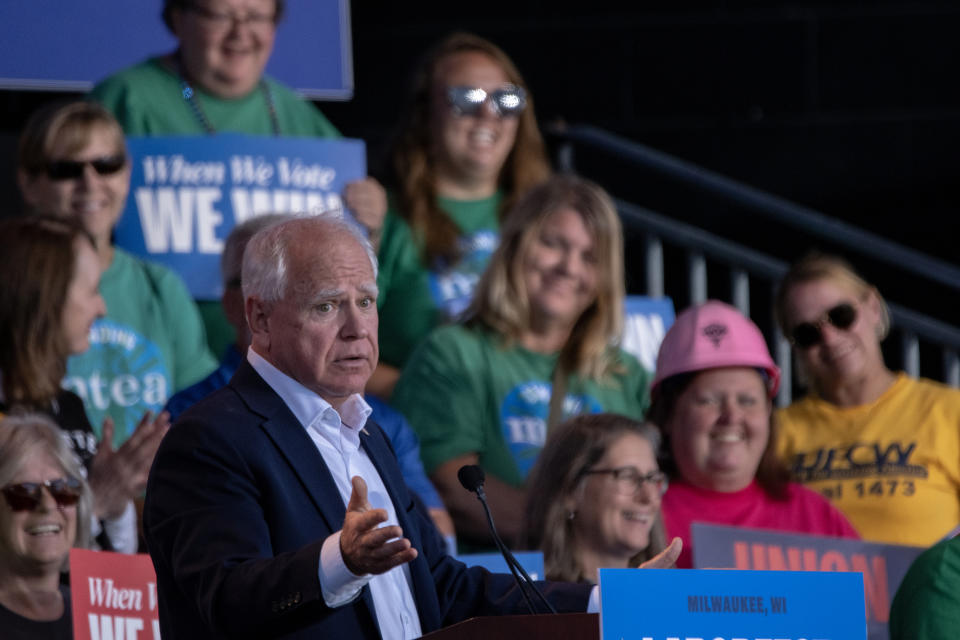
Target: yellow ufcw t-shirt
892, 467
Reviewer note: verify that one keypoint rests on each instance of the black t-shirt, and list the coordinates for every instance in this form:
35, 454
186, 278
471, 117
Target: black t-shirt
68, 413
16, 627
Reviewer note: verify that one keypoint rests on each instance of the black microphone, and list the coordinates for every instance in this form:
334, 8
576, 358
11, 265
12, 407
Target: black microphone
472, 477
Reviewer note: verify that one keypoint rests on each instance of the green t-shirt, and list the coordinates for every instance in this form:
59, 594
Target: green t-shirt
464, 393
927, 604
147, 100
416, 297
150, 344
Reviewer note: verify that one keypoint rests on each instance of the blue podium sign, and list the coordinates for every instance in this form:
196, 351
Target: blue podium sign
187, 193
691, 604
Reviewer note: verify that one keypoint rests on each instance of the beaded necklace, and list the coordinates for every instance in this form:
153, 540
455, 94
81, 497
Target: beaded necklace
190, 96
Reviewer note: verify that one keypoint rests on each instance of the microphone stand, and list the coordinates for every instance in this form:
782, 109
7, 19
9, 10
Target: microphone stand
512, 563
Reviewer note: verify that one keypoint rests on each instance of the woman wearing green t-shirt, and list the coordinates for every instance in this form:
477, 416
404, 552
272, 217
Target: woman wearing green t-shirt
536, 348
467, 148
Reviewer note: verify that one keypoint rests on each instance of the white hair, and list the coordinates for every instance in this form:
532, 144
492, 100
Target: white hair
231, 260
266, 258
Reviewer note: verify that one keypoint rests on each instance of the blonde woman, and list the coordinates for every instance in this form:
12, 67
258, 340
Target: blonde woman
535, 349
883, 447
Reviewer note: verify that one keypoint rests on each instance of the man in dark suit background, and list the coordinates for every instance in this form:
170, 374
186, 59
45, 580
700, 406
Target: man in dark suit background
274, 509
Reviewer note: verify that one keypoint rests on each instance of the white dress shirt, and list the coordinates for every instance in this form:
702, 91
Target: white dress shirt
337, 438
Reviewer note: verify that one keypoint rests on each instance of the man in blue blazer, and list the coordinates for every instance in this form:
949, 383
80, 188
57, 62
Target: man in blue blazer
274, 508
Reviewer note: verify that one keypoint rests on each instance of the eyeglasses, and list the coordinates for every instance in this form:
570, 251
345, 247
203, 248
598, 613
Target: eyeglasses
808, 334
225, 20
629, 481
508, 101
73, 169
25, 496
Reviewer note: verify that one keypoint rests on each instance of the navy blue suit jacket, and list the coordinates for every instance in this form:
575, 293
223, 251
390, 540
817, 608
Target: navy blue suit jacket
238, 504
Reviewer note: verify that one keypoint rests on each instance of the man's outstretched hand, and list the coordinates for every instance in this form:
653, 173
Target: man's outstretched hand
366, 547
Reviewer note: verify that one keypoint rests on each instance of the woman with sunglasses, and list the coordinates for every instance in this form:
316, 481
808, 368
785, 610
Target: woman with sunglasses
883, 447
49, 301
537, 347
44, 512
712, 400
466, 149
594, 497
73, 164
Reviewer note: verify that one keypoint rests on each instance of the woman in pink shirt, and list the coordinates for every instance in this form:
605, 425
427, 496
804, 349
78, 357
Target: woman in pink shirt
712, 400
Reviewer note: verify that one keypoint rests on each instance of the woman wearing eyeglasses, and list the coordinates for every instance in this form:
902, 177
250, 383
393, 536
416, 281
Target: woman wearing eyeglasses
712, 400
214, 82
49, 300
536, 348
466, 149
594, 497
44, 512
883, 447
72, 164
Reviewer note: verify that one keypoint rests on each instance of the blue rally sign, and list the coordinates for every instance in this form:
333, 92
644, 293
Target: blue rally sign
692, 604
186, 193
645, 322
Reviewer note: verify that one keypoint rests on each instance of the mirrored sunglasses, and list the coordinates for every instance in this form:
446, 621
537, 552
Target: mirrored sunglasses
73, 169
509, 100
25, 496
809, 334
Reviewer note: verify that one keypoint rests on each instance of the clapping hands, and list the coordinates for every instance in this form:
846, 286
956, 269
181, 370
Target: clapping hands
120, 475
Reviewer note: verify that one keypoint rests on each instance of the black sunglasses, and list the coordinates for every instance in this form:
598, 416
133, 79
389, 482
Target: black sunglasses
73, 169
808, 334
25, 496
509, 100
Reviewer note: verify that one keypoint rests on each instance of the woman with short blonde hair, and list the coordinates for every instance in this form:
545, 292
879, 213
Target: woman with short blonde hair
882, 446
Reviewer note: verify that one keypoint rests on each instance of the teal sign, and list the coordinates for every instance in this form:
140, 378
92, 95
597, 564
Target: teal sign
692, 604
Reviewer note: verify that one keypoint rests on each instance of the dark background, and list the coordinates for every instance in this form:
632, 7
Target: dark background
851, 108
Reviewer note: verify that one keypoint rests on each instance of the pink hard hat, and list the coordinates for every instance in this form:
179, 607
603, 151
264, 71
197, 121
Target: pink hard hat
712, 335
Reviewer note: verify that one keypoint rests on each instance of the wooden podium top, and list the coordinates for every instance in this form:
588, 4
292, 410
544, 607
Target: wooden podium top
576, 626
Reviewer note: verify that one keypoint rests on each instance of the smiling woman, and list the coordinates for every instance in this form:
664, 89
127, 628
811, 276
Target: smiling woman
880, 445
45, 511
73, 164
594, 499
711, 399
215, 82
467, 148
536, 348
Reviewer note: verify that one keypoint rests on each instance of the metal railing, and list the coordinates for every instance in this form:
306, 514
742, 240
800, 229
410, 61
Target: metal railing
749, 268
787, 213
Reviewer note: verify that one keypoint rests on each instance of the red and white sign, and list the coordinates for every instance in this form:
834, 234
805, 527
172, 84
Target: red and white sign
114, 596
